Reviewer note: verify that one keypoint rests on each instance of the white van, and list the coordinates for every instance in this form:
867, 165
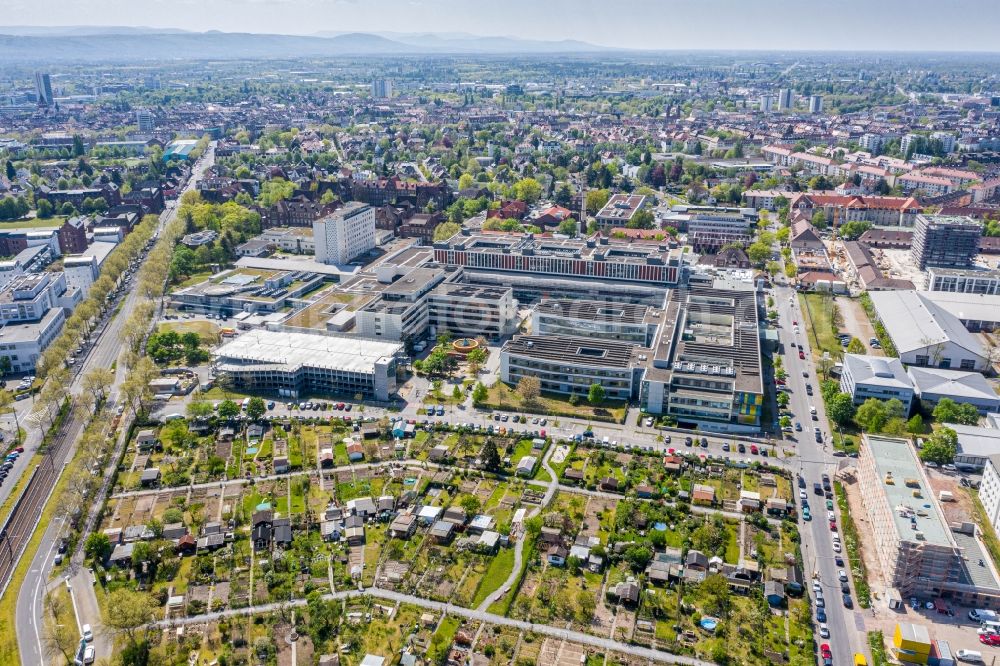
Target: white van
971, 656
173, 417
87, 633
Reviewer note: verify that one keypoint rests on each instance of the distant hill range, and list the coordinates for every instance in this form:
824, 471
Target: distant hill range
22, 44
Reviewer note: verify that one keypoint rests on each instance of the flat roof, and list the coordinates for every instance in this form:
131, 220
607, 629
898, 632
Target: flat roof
28, 331
622, 313
595, 248
593, 352
287, 351
897, 459
308, 265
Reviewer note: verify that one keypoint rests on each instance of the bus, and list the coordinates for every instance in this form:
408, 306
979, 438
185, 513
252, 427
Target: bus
859, 659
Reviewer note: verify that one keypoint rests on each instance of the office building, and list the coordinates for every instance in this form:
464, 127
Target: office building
290, 363
766, 103
704, 368
626, 322
785, 99
884, 378
83, 269
598, 257
345, 234
145, 119
620, 210
963, 280
710, 232
815, 104
570, 365
24, 343
381, 89
945, 240
43, 89
919, 553
422, 302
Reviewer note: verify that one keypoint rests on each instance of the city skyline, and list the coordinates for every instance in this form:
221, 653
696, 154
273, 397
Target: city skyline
665, 25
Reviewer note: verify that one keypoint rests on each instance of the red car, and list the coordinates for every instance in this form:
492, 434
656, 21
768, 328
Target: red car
802, 356
992, 640
795, 323
824, 649
753, 449
833, 526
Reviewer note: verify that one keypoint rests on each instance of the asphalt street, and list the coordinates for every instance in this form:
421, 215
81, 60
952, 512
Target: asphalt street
105, 350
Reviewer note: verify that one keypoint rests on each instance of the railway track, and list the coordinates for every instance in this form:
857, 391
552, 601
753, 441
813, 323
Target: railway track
23, 518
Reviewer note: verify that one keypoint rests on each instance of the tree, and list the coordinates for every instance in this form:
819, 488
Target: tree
529, 388
58, 637
78, 147
819, 219
595, 200
915, 425
446, 230
940, 447
491, 456
758, 253
228, 409
256, 408
44, 208
586, 603
456, 393
475, 358
199, 409
852, 230
528, 190
127, 612
479, 394
568, 227
643, 219
470, 504
841, 409
872, 415
11, 171
949, 411
596, 394
855, 346
97, 547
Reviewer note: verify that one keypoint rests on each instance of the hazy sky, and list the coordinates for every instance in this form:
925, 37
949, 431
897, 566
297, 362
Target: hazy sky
919, 25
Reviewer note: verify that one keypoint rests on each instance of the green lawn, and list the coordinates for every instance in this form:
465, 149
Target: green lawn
496, 574
34, 223
820, 315
506, 398
206, 330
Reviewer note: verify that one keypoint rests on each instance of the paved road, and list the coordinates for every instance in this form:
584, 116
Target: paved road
813, 460
105, 350
468, 613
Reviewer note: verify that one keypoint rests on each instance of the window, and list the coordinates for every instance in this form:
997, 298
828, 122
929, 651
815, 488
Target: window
968, 364
922, 360
945, 363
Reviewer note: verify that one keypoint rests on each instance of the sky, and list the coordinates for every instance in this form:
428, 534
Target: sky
879, 25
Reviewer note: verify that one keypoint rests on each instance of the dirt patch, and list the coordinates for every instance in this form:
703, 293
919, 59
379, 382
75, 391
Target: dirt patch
958, 511
856, 323
555, 652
